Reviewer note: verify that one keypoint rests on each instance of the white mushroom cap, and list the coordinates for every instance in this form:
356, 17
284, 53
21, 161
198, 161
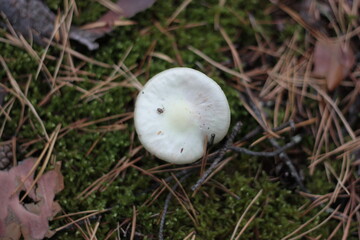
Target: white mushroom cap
177, 110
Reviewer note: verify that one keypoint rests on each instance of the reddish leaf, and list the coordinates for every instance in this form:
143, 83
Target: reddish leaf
29, 220
333, 61
7, 186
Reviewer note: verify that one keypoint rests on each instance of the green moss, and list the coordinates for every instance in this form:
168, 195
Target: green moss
218, 212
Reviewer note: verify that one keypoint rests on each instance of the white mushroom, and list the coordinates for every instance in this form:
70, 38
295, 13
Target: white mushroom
177, 111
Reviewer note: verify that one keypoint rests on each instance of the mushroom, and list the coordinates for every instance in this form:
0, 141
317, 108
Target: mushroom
177, 111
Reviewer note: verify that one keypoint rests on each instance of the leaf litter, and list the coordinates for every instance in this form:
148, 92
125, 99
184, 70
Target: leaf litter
333, 61
293, 79
34, 20
123, 8
29, 219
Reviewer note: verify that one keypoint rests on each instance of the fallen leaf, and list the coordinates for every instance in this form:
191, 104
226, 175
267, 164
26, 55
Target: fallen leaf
34, 20
31, 220
333, 61
128, 9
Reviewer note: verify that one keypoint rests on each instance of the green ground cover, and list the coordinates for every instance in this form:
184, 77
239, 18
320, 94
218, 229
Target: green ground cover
218, 211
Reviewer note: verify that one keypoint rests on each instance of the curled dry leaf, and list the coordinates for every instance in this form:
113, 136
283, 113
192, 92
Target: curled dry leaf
333, 61
28, 219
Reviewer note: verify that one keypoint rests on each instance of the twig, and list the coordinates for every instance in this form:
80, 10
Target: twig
295, 140
282, 155
259, 129
285, 157
220, 155
2, 95
166, 206
290, 165
279, 151
287, 160
163, 216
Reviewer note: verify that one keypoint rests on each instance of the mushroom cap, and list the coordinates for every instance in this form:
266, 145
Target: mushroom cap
177, 111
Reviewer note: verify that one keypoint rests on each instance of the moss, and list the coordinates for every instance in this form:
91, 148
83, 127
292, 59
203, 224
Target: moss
217, 211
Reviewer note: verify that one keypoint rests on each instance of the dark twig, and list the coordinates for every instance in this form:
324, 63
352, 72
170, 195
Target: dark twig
2, 95
287, 160
259, 129
220, 155
228, 146
251, 134
166, 206
290, 165
163, 216
295, 140
273, 142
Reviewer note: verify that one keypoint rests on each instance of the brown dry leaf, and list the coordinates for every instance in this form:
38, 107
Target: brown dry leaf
28, 219
35, 20
333, 61
128, 9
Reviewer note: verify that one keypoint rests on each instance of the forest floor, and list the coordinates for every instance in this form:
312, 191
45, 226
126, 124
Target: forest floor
291, 73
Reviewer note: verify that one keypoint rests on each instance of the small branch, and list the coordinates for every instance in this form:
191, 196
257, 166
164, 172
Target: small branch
220, 155
273, 142
259, 129
166, 206
2, 95
295, 140
290, 165
163, 216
